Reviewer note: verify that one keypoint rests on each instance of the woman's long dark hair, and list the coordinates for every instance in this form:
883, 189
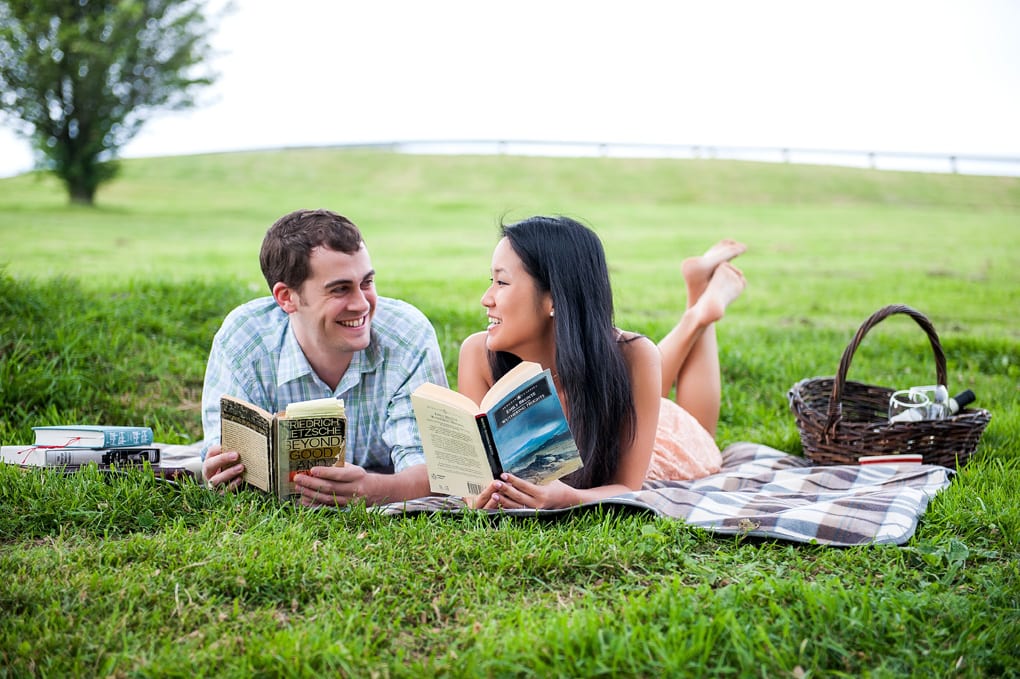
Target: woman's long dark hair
566, 259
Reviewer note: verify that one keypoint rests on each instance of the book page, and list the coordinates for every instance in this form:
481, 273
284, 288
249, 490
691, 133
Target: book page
329, 406
248, 429
23, 455
454, 452
448, 396
518, 375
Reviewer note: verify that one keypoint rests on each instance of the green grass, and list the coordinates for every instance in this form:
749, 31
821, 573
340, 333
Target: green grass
107, 314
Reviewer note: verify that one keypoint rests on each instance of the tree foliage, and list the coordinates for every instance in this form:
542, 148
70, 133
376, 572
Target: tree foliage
81, 77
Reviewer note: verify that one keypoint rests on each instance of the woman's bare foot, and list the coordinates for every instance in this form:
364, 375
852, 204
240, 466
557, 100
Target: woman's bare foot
726, 285
698, 271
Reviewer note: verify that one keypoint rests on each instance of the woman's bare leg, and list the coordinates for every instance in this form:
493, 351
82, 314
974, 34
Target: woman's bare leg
697, 272
690, 354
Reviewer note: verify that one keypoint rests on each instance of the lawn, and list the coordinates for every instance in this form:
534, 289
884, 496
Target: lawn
106, 315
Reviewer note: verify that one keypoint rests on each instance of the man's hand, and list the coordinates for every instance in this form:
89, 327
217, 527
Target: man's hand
222, 470
332, 486
339, 486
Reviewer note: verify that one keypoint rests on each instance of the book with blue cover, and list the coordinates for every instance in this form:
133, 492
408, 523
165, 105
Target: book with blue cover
519, 428
92, 436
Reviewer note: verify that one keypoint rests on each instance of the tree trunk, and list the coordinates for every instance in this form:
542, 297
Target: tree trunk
81, 195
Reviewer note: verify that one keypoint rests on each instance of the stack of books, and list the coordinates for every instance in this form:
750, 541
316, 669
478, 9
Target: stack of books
73, 447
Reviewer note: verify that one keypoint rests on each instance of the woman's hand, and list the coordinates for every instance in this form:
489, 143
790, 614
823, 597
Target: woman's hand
511, 492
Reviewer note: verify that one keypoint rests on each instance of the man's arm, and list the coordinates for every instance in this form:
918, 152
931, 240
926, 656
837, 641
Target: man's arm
220, 468
242, 362
222, 376
422, 364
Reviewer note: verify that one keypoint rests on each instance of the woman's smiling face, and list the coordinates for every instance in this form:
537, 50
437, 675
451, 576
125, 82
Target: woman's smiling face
518, 311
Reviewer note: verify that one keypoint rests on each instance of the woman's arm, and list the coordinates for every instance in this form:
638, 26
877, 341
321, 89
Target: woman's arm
645, 365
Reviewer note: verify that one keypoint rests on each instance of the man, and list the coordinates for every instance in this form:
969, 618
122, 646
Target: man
325, 332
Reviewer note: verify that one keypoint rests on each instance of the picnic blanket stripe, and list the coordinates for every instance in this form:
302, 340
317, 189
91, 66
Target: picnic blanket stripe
827, 523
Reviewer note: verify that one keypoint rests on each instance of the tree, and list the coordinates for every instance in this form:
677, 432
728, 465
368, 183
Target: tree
81, 77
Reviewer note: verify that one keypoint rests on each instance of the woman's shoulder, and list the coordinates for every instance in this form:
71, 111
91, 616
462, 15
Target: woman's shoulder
627, 336
474, 344
474, 376
633, 341
636, 347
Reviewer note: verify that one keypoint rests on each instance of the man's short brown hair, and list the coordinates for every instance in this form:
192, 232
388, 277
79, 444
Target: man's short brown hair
289, 242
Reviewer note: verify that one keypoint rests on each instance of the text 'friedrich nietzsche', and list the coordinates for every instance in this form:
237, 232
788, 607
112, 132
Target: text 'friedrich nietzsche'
316, 432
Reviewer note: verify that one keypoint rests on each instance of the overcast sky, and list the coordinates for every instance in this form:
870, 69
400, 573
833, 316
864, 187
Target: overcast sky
884, 75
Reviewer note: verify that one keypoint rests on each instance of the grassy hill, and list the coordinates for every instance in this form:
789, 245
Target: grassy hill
106, 314
816, 233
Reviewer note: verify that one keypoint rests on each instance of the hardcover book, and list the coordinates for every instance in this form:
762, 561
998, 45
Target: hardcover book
92, 436
71, 460
40, 456
901, 458
275, 448
519, 427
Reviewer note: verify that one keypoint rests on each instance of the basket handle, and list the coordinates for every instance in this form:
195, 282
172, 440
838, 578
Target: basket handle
836, 402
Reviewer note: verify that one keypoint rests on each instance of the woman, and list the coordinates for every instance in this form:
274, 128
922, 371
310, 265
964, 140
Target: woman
550, 302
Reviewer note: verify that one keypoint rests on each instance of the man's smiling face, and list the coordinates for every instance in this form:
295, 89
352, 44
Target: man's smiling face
333, 309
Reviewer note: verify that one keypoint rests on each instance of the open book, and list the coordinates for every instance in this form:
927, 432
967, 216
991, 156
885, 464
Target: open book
275, 448
519, 427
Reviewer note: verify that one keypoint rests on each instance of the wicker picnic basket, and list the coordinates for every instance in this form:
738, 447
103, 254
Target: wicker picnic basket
840, 421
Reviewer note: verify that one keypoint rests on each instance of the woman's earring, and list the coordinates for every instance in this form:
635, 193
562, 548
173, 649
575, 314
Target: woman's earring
552, 313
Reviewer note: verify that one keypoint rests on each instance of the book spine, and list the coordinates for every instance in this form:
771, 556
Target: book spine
56, 457
133, 436
276, 474
485, 428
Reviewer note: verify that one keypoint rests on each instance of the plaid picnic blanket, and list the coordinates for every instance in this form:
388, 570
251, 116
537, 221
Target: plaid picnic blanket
767, 493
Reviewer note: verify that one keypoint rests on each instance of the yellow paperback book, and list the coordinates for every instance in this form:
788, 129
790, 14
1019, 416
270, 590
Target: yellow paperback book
276, 448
